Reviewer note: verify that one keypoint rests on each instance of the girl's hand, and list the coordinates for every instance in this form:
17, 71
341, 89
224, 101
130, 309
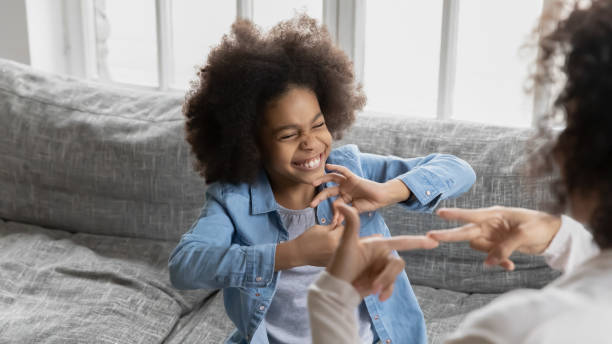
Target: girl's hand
317, 245
368, 263
499, 231
363, 194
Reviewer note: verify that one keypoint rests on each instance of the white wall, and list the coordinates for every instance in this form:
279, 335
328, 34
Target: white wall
14, 43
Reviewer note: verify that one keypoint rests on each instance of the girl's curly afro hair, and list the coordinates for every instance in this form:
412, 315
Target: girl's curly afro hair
583, 41
246, 71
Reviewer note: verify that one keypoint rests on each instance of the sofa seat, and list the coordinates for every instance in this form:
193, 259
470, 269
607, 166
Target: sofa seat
62, 287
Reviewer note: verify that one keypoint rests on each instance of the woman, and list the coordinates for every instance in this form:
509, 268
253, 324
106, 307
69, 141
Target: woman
577, 307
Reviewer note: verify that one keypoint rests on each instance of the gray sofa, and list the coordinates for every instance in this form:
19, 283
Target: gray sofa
97, 186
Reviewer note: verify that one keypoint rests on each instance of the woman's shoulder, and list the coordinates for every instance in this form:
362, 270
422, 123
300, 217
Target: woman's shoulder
527, 316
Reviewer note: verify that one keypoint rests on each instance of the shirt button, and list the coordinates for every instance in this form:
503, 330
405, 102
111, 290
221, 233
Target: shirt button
323, 220
376, 317
257, 294
370, 214
261, 308
258, 279
388, 341
428, 192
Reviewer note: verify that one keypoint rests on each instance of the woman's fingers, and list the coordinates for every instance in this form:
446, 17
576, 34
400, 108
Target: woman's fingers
463, 233
502, 250
507, 264
410, 242
386, 293
482, 244
468, 215
384, 281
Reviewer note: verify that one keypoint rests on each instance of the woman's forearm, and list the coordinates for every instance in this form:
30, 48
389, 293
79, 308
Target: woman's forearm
332, 305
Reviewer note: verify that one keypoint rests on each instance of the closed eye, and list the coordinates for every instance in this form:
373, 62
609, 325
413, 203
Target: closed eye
319, 125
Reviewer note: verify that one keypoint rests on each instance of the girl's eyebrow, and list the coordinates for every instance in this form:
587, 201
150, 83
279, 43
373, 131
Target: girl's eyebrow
295, 126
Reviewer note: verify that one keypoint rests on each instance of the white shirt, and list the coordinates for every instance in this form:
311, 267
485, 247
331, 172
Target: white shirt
576, 308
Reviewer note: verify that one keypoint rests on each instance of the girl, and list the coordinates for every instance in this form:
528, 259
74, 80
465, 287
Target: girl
260, 123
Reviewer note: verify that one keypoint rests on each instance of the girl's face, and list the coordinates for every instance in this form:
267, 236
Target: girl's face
294, 138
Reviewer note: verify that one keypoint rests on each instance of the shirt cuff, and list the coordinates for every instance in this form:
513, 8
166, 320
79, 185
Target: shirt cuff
422, 186
338, 289
260, 265
558, 245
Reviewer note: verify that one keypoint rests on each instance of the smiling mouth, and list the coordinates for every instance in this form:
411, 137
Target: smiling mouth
309, 164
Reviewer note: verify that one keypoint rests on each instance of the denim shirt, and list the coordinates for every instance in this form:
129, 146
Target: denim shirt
233, 243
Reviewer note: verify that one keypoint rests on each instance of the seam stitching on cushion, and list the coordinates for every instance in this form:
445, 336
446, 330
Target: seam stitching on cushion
82, 110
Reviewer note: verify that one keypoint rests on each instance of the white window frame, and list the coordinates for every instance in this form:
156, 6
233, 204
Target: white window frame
345, 20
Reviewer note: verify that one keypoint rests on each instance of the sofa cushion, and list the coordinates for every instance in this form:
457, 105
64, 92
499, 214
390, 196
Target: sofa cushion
497, 156
58, 287
93, 158
444, 309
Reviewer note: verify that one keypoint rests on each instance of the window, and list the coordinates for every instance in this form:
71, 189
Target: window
436, 58
451, 59
196, 26
492, 64
269, 12
127, 53
402, 49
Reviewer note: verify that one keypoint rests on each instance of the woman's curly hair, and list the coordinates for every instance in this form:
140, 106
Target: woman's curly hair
580, 47
248, 70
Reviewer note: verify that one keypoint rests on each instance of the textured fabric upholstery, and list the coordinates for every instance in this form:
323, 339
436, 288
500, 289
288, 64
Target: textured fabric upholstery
94, 159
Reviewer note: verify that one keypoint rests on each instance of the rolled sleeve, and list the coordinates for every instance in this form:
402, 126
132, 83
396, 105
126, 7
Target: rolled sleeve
424, 189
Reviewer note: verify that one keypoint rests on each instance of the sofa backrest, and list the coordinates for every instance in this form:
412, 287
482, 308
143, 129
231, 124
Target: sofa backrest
497, 156
88, 157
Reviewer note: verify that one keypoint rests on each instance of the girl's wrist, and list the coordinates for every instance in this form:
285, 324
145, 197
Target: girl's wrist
287, 256
396, 191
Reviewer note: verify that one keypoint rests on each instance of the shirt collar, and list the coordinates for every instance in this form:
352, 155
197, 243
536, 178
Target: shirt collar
262, 197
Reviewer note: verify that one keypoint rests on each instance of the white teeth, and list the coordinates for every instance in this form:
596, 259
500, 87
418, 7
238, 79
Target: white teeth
312, 163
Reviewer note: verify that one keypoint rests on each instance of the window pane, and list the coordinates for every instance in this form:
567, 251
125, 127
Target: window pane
491, 67
269, 12
197, 25
402, 48
127, 42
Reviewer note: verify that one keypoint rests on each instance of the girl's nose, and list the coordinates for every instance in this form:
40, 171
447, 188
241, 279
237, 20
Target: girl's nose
307, 143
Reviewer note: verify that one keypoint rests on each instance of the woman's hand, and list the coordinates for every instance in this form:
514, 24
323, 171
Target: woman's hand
368, 263
499, 231
363, 194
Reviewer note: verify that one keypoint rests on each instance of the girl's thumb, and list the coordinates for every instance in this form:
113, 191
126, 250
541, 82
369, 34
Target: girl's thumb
351, 227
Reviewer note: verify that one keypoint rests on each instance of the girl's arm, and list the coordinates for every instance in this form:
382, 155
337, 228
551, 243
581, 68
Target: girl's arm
370, 181
206, 258
430, 179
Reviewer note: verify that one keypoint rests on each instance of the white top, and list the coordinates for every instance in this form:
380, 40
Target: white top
575, 308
